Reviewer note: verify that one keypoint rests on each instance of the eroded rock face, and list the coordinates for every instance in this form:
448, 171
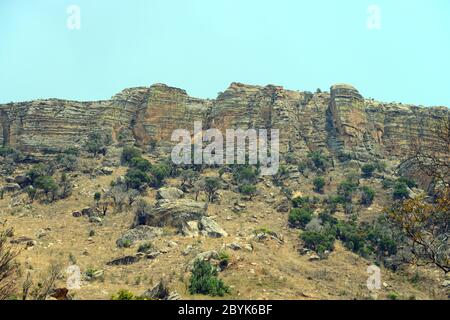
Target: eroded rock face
341, 120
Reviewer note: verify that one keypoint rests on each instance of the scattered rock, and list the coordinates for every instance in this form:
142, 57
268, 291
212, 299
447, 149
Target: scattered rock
190, 229
158, 292
140, 233
248, 247
211, 229
314, 257
169, 193
77, 214
95, 220
107, 171
127, 260
446, 283
11, 187
234, 246
22, 180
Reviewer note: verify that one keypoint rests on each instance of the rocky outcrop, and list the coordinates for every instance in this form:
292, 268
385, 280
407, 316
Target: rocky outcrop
341, 120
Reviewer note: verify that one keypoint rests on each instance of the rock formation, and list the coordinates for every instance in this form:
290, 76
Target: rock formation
341, 120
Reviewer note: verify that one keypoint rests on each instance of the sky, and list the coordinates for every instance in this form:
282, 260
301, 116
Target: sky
389, 50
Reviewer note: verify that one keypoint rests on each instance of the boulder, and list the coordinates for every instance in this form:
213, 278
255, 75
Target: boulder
22, 180
169, 193
140, 233
127, 260
11, 187
107, 171
159, 292
173, 213
211, 229
190, 229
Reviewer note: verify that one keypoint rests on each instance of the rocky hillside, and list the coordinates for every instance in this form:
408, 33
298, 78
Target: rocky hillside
88, 185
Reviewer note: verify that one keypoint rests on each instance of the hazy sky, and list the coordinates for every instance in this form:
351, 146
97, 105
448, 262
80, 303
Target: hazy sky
204, 45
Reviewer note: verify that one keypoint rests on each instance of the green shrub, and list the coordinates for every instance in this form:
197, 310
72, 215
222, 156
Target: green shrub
145, 247
319, 184
123, 295
136, 179
159, 173
407, 181
204, 280
367, 195
6, 151
97, 141
140, 164
319, 241
400, 191
47, 184
245, 174
97, 196
319, 161
368, 170
299, 218
300, 202
248, 190
388, 183
346, 190
129, 153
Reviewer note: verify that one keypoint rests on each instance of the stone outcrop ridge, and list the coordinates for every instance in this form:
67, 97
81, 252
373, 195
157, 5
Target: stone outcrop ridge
341, 120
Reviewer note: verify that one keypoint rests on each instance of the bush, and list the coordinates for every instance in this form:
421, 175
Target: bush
300, 217
368, 170
245, 174
96, 143
300, 202
407, 181
141, 164
204, 280
159, 173
97, 196
47, 184
6, 151
367, 195
145, 247
319, 184
346, 190
319, 241
129, 153
123, 295
400, 191
319, 161
38, 171
136, 179
248, 190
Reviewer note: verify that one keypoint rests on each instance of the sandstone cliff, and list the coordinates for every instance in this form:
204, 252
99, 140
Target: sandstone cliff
341, 120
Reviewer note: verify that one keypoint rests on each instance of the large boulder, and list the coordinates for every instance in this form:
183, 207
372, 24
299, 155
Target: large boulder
173, 213
169, 193
140, 233
211, 229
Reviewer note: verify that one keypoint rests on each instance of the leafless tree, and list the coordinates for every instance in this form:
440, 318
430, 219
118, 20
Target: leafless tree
9, 268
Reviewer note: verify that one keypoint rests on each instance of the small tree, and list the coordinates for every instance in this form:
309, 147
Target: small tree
212, 184
427, 226
319, 184
97, 197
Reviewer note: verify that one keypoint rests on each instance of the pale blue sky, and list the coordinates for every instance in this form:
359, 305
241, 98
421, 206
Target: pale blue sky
204, 45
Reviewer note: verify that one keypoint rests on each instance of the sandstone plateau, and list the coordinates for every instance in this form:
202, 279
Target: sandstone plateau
338, 121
